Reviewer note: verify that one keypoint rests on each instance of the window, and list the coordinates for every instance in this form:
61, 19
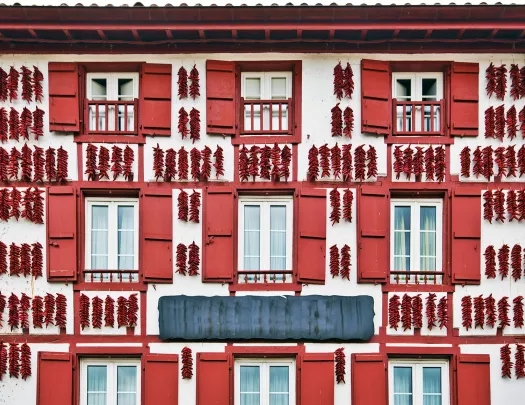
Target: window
418, 383
269, 92
264, 382
418, 106
265, 237
108, 93
112, 237
110, 382
416, 240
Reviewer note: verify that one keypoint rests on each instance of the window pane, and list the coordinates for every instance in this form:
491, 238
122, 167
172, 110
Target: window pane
99, 89
252, 230
252, 88
402, 238
99, 237
429, 89
403, 385
403, 89
96, 385
278, 88
126, 385
126, 237
278, 237
428, 218
250, 385
432, 386
427, 248
279, 385
125, 89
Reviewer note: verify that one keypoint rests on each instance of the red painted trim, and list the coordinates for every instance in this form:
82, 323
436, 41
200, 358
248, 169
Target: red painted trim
123, 139
264, 351
419, 352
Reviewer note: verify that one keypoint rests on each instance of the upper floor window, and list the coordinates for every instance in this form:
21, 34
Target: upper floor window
111, 103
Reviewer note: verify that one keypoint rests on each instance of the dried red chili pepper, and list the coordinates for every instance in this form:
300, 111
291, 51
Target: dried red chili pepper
38, 205
522, 82
183, 164
27, 85
371, 157
512, 206
27, 163
14, 260
490, 123
181, 258
4, 129
465, 162
244, 169
195, 203
336, 160
501, 82
479, 312
38, 123
521, 204
3, 262
25, 259
187, 363
348, 76
49, 309
490, 261
182, 203
359, 163
519, 358
14, 360
514, 74
417, 311
37, 260
313, 164
25, 305
324, 152
122, 311
503, 261
182, 83
398, 161
499, 205
286, 159
334, 261
348, 119
490, 75
499, 122
466, 312
340, 364
418, 162
15, 198
103, 163
339, 81
50, 167
37, 311
38, 164
13, 319
517, 311
38, 77
133, 310
337, 120
393, 312
195, 125
335, 203
347, 169
408, 166
430, 310
61, 311
129, 157
3, 85
512, 123
96, 312
26, 122
116, 160
3, 359
503, 312
25, 361
488, 206
14, 124
440, 165
5, 204
109, 312
477, 168
345, 262
91, 161
170, 164
2, 308
506, 363
348, 198
183, 123
490, 311
510, 161
275, 157
406, 312
219, 162
253, 162
206, 164
12, 84
158, 162
521, 160
193, 259
499, 153
83, 312
62, 169
429, 163
194, 85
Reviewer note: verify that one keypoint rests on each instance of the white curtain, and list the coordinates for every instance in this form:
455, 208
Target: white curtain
99, 237
402, 238
96, 385
403, 386
431, 385
428, 238
277, 237
279, 385
250, 385
252, 237
127, 385
126, 237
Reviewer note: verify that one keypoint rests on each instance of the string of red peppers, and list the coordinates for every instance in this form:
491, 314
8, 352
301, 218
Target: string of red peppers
340, 364
187, 363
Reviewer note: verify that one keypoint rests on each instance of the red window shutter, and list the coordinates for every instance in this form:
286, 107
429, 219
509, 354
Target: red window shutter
473, 384
220, 97
161, 379
64, 107
369, 379
376, 99
311, 263
466, 236
218, 252
464, 95
55, 379
213, 379
155, 99
317, 379
373, 225
62, 234
156, 254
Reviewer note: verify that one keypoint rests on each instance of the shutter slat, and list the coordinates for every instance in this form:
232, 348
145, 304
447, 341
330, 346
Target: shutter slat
64, 107
155, 99
213, 379
53, 368
376, 99
473, 379
220, 97
369, 379
464, 90
317, 379
161, 379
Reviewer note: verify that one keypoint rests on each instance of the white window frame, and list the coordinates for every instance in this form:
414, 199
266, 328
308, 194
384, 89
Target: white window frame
111, 396
266, 83
113, 204
264, 381
112, 83
415, 233
265, 203
417, 84
417, 379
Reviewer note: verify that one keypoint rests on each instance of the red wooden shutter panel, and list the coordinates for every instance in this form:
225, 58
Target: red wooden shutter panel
464, 95
317, 379
311, 261
61, 225
473, 379
55, 379
218, 252
213, 379
64, 107
161, 379
373, 216
376, 99
155, 99
156, 254
369, 379
220, 97
466, 236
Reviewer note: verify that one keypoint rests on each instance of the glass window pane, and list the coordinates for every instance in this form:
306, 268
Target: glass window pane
402, 399
252, 88
279, 376
126, 217
99, 89
403, 89
278, 237
428, 218
250, 385
126, 385
402, 218
279, 399
432, 380
278, 88
99, 214
252, 218
99, 237
96, 399
96, 385
125, 89
429, 89
402, 380
402, 226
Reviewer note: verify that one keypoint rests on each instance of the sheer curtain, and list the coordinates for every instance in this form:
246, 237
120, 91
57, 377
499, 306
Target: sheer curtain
97, 389
278, 237
126, 385
279, 385
250, 385
403, 386
402, 238
99, 237
252, 237
431, 385
126, 237
427, 238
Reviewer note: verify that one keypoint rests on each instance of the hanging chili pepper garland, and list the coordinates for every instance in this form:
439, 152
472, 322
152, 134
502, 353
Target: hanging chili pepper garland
103, 162
253, 165
393, 312
430, 310
37, 260
84, 311
517, 311
182, 83
25, 305
506, 363
340, 364
12, 84
521, 160
313, 164
477, 168
348, 198
193, 259
13, 319
514, 74
348, 119
133, 310
206, 164
510, 161
3, 261
408, 167
345, 262
499, 153
183, 165
38, 77
15, 198
219, 162
348, 76
479, 312
490, 311
429, 163
116, 160
347, 169
501, 82
336, 160
338, 81
4, 204
49, 309
335, 203
122, 311
158, 162
490, 75
26, 122
181, 258
129, 157
50, 167
27, 85
2, 308
398, 161
4, 164
465, 162
14, 360
3, 360
499, 205
14, 260
359, 163
440, 165
38, 205
406, 312
503, 261
512, 206
512, 123
37, 311
195, 203
371, 157
286, 159
488, 206
418, 162
521, 118
244, 171
3, 85
521, 204
61, 311
522, 82
195, 125
14, 125
182, 204
38, 123
276, 162
187, 363
27, 163
91, 161
25, 259
170, 164
466, 312
25, 361
194, 85
265, 163
4, 129
490, 262
324, 152
503, 312
417, 311
109, 312
96, 312
499, 122
519, 358
490, 123
334, 261
337, 120
38, 164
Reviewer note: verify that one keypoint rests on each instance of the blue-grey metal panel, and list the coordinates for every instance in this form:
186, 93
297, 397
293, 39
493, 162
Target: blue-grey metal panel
309, 318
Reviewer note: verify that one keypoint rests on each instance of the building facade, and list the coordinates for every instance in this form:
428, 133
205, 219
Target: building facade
286, 204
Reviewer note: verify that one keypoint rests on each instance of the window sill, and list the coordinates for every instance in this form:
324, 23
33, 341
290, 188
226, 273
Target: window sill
107, 286
127, 139
266, 287
419, 140
265, 139
389, 287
